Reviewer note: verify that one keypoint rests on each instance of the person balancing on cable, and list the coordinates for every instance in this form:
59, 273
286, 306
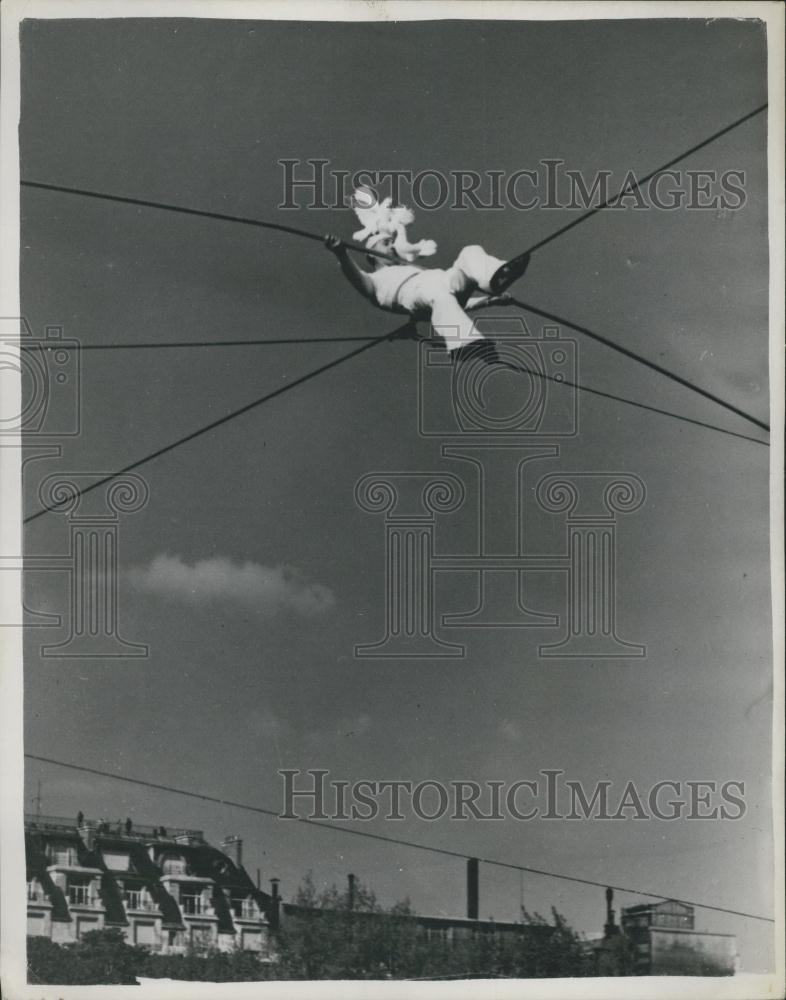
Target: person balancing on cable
397, 284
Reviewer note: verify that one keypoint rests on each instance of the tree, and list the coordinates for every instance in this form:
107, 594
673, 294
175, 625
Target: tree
616, 957
236, 966
100, 957
325, 938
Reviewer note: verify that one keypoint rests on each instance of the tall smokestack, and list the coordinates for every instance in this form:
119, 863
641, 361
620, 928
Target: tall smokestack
350, 892
473, 889
275, 906
233, 846
610, 928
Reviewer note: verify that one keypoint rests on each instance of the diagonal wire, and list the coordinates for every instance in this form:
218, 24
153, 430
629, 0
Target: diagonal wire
636, 403
390, 840
629, 189
327, 340
642, 360
202, 213
222, 420
260, 342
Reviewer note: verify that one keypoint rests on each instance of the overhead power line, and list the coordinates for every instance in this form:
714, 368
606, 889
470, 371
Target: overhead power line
390, 840
222, 420
643, 361
629, 189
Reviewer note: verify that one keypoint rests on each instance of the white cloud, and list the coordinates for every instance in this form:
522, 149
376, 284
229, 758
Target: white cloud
265, 589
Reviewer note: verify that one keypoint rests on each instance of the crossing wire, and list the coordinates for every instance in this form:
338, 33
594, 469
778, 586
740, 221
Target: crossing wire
217, 423
369, 342
391, 840
162, 344
296, 231
608, 203
634, 402
201, 213
642, 360
629, 189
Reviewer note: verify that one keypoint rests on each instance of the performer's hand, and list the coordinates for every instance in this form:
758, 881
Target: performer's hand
503, 299
333, 243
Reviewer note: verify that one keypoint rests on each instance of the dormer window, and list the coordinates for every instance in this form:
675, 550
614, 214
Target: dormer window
117, 861
63, 855
245, 908
173, 865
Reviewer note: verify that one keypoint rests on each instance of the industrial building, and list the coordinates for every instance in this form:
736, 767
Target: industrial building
665, 942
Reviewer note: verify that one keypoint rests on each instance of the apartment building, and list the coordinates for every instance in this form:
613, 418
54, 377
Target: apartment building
166, 889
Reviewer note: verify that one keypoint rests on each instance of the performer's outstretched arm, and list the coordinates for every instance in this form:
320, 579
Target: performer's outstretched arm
358, 278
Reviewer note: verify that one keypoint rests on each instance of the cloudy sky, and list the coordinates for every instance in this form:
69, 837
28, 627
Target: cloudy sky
251, 574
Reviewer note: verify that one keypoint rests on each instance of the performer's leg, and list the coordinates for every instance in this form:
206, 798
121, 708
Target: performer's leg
451, 323
474, 268
490, 274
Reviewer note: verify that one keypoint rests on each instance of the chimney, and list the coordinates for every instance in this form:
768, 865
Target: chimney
274, 916
87, 831
473, 889
233, 846
350, 892
610, 928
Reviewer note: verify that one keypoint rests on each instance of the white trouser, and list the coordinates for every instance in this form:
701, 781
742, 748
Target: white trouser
442, 293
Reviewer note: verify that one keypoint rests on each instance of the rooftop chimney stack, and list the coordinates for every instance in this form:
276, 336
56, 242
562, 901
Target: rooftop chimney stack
473, 889
233, 846
87, 831
610, 928
275, 906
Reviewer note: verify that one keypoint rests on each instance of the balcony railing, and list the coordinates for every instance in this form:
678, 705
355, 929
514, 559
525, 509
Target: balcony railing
139, 903
68, 824
62, 824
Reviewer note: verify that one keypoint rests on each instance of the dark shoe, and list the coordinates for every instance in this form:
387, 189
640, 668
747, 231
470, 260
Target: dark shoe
508, 273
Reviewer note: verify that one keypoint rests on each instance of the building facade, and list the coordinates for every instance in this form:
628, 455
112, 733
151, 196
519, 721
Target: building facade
166, 890
661, 939
667, 943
